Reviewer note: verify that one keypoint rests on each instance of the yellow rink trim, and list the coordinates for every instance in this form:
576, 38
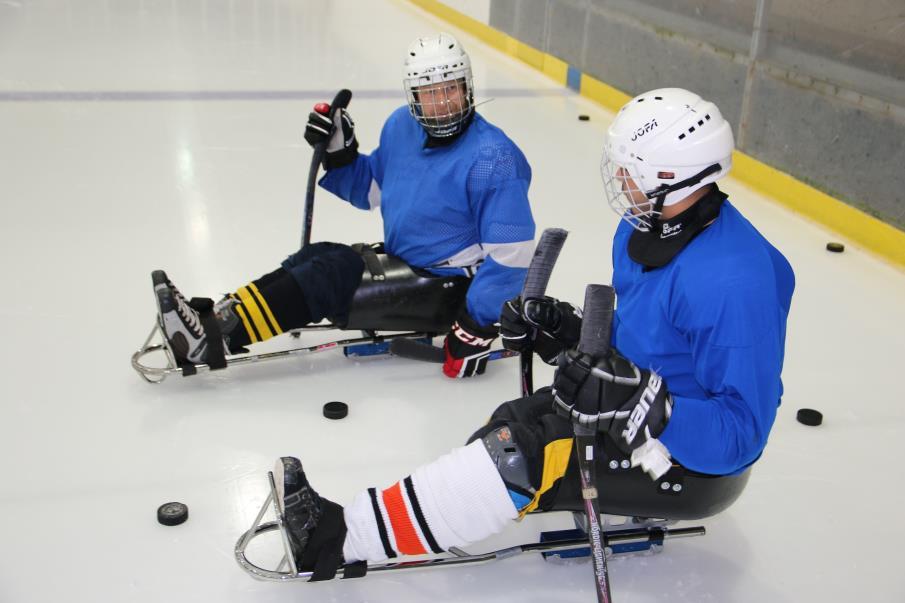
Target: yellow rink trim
865, 230
603, 94
868, 232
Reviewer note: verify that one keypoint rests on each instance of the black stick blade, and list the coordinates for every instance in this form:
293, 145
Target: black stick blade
541, 267
417, 350
597, 322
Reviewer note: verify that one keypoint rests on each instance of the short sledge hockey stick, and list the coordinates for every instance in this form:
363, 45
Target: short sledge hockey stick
340, 101
597, 322
539, 271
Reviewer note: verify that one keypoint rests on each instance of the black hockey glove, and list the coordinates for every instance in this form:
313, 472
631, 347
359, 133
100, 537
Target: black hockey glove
339, 136
547, 325
610, 393
467, 347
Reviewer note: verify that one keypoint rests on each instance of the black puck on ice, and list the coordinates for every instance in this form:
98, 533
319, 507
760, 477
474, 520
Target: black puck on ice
336, 410
584, 118
835, 247
809, 416
172, 513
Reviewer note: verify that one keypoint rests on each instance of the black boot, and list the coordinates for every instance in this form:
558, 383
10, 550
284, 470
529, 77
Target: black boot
181, 323
315, 526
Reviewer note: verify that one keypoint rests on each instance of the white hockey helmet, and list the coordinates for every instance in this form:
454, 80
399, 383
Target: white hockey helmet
438, 86
663, 146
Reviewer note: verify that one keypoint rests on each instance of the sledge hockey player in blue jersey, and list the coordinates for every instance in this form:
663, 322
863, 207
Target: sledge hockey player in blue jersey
453, 192
688, 392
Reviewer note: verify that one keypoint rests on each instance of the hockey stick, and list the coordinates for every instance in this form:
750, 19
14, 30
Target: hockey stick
596, 325
425, 352
340, 101
539, 271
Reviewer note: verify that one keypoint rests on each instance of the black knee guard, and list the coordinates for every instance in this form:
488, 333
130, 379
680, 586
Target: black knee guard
544, 439
518, 471
393, 296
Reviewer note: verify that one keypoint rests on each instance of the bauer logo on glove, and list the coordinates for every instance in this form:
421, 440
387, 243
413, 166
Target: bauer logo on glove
638, 417
620, 399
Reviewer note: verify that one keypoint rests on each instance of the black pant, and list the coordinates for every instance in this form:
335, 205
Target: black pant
328, 275
546, 439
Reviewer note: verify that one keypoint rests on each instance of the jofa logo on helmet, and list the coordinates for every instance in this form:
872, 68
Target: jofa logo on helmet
444, 67
644, 129
639, 413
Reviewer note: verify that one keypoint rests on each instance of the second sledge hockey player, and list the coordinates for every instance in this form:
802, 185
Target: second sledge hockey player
691, 382
453, 193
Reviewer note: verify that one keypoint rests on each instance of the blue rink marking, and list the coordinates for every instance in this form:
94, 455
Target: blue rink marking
38, 96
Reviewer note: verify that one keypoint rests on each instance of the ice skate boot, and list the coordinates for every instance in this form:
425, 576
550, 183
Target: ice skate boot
191, 341
315, 526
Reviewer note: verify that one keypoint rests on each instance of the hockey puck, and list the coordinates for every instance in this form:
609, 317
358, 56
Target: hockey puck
336, 410
809, 416
172, 513
835, 247
584, 118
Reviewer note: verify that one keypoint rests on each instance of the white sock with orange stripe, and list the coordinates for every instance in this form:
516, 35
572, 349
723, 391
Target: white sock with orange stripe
458, 499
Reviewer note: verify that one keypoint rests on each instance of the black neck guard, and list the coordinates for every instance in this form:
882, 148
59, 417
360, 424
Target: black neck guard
434, 142
659, 245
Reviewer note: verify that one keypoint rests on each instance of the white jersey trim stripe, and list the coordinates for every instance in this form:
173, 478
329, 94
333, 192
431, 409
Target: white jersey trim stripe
374, 194
513, 255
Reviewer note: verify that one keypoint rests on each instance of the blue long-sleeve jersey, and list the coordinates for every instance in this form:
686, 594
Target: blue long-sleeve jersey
712, 322
449, 209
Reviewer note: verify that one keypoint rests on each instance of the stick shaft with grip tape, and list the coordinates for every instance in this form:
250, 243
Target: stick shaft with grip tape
340, 101
545, 255
596, 327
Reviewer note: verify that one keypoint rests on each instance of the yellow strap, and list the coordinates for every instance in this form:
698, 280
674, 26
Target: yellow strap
556, 460
263, 303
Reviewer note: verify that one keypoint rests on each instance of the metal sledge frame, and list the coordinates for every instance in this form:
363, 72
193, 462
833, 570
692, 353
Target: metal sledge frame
158, 374
618, 540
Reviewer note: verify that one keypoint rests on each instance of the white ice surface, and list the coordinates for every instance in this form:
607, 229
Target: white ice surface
98, 190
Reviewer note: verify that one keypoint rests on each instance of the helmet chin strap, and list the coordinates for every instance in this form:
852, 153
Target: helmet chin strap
664, 189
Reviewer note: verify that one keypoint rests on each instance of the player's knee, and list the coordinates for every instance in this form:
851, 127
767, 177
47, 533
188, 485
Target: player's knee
514, 450
314, 250
527, 410
328, 278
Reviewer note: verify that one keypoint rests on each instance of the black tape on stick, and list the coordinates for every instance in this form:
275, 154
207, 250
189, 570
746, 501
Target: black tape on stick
597, 319
545, 255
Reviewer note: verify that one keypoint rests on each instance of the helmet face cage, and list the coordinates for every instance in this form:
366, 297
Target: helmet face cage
441, 102
621, 187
